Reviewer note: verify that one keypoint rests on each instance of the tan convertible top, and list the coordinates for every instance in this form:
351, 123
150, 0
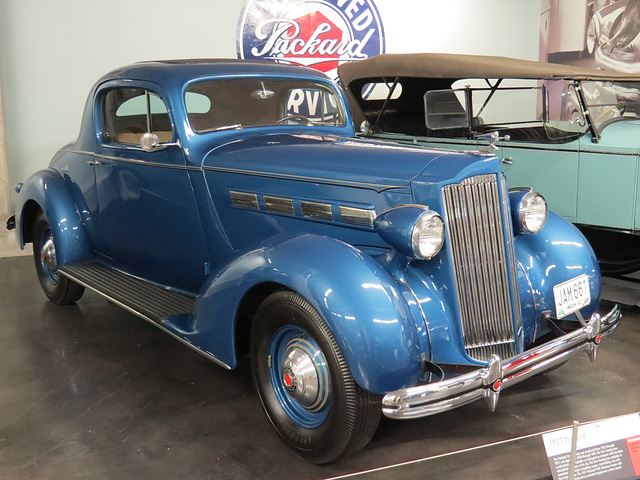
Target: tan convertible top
445, 65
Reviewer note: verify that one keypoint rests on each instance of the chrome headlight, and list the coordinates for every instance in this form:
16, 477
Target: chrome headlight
428, 235
532, 212
413, 230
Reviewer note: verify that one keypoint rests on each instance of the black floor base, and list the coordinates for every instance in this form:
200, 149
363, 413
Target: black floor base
93, 392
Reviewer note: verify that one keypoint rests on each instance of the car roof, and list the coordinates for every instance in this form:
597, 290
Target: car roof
446, 65
181, 71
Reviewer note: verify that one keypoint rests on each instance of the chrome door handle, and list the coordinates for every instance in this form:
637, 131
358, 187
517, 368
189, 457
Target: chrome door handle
507, 160
95, 162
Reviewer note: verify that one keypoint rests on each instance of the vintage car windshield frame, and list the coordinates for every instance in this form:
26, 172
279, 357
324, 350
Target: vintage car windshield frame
570, 123
603, 112
264, 90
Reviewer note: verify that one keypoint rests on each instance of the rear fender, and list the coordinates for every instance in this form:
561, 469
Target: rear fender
357, 298
47, 190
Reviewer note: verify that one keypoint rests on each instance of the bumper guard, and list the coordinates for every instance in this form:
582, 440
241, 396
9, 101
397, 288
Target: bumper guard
487, 382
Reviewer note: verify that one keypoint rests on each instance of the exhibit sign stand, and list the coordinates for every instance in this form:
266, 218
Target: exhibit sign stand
603, 450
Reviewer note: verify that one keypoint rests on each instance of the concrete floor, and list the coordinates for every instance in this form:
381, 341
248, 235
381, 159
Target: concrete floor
92, 392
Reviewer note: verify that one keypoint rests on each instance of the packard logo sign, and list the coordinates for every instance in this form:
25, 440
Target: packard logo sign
320, 34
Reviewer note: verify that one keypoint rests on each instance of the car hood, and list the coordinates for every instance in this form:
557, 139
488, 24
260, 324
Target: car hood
329, 159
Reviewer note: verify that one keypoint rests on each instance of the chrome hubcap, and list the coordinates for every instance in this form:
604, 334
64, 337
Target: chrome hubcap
48, 255
299, 375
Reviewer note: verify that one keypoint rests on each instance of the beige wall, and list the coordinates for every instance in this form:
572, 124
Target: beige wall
8, 240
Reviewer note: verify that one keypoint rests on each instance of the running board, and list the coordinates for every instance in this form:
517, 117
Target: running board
147, 300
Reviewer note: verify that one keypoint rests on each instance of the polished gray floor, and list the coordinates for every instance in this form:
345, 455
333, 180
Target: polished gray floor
92, 392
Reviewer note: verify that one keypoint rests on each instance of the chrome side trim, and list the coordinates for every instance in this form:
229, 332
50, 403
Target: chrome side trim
319, 211
488, 382
279, 205
325, 181
244, 200
133, 161
357, 216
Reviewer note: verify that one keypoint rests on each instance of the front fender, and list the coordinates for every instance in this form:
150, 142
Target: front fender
557, 253
48, 190
357, 298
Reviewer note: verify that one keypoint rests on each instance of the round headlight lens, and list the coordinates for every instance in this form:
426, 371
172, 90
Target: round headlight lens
427, 236
532, 212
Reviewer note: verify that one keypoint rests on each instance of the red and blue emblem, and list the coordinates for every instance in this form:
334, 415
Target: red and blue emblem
320, 34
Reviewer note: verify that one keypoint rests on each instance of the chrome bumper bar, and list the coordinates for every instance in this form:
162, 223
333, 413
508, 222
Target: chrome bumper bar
487, 382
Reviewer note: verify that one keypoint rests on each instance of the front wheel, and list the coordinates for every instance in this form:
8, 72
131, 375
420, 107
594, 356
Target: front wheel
304, 383
58, 289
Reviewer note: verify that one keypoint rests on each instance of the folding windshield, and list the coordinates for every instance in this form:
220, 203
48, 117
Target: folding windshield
611, 101
484, 104
251, 102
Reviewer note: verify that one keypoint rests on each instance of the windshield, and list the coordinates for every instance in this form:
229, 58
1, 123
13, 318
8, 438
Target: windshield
250, 102
610, 101
486, 104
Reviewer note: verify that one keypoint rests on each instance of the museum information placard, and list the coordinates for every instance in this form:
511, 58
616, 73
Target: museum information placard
606, 450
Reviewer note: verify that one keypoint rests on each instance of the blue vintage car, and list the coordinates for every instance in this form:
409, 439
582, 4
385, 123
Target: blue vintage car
570, 133
231, 204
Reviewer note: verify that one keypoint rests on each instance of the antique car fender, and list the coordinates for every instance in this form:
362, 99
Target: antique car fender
557, 253
357, 298
46, 190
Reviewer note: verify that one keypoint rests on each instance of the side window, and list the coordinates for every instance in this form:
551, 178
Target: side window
127, 113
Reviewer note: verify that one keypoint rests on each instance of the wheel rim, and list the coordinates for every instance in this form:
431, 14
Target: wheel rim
299, 376
48, 258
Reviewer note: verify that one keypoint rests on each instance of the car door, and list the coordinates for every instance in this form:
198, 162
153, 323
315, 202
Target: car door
147, 209
609, 173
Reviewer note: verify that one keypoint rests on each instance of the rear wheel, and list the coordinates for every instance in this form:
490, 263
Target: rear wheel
304, 383
58, 289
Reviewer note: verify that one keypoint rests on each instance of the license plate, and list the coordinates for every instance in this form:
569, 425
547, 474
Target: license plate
572, 295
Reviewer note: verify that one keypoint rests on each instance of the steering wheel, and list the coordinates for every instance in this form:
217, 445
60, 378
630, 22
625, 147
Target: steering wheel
297, 116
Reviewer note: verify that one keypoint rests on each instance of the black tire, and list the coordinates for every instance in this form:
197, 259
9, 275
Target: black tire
59, 289
321, 426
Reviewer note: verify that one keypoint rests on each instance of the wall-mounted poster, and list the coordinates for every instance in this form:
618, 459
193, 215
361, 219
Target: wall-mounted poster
320, 34
600, 33
613, 35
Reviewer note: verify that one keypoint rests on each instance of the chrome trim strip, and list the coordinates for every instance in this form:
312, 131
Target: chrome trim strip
487, 382
325, 181
506, 212
279, 205
133, 160
319, 211
516, 145
357, 216
208, 355
244, 200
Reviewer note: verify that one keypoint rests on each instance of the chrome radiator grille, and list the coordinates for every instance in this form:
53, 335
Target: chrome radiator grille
481, 269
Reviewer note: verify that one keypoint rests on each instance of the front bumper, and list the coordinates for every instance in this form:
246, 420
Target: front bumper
487, 382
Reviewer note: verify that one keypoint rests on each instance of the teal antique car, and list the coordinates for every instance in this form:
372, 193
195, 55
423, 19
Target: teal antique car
573, 134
